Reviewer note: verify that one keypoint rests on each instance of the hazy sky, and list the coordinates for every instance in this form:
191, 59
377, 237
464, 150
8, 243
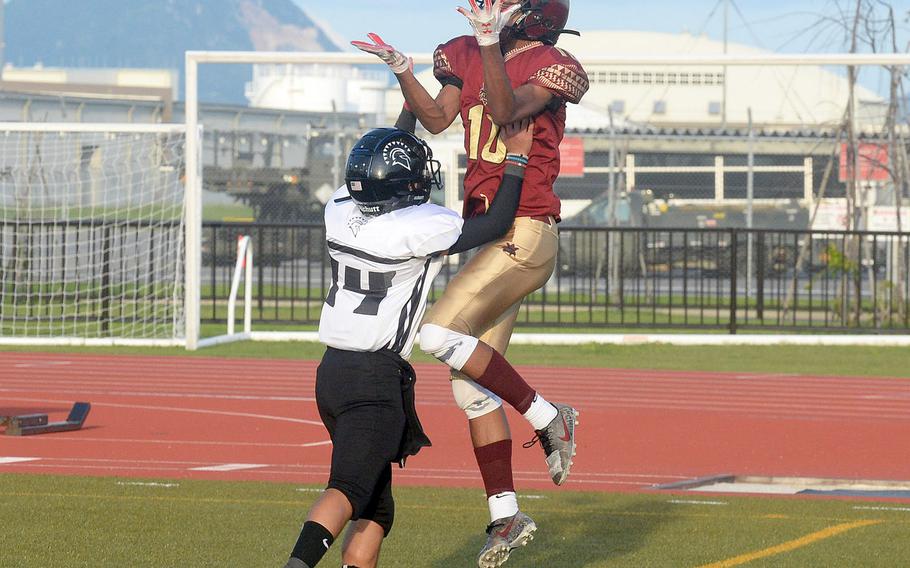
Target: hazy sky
776, 25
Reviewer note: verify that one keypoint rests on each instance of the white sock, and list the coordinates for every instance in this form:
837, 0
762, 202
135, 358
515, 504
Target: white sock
541, 413
502, 505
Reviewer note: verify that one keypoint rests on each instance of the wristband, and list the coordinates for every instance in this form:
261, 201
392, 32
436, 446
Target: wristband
518, 159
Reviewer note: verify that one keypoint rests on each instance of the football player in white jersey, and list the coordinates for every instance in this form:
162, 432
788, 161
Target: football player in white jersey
386, 245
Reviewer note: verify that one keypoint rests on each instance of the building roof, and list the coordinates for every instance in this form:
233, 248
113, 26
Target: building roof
789, 97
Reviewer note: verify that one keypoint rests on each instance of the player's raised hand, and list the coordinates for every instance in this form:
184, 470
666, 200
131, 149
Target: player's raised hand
397, 61
518, 136
488, 19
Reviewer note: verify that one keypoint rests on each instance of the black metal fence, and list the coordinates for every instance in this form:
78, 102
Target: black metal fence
709, 279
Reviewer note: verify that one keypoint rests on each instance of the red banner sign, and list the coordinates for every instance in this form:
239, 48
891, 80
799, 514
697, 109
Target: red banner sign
572, 157
872, 159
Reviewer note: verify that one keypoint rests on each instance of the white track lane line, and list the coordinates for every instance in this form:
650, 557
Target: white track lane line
191, 410
637, 479
230, 467
165, 394
10, 460
606, 386
81, 439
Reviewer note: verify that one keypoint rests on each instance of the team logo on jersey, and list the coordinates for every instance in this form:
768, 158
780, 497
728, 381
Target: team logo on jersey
396, 154
354, 223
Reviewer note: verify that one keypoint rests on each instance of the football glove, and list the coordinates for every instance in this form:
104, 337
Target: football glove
488, 19
397, 61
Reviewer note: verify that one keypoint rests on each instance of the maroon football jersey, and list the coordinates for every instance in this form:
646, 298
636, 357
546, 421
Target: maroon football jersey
458, 63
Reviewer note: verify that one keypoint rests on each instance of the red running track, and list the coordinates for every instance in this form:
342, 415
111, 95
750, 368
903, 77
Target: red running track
233, 419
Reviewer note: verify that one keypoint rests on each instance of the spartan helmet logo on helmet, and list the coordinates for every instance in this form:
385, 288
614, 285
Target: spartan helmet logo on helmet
396, 154
390, 169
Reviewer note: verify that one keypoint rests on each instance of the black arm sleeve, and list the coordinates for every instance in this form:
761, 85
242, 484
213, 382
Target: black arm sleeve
499, 217
407, 121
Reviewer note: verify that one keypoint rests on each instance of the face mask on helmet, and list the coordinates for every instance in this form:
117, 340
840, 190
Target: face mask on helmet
541, 20
390, 169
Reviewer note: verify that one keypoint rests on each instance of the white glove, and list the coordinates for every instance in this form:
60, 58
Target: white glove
397, 61
488, 21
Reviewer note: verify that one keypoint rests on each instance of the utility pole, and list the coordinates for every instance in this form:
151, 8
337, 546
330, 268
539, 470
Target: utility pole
2, 37
723, 103
614, 266
611, 178
750, 194
336, 140
856, 194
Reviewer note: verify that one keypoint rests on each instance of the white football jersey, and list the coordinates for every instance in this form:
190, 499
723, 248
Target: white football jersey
382, 268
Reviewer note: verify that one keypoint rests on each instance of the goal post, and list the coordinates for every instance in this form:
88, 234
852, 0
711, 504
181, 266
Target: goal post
92, 234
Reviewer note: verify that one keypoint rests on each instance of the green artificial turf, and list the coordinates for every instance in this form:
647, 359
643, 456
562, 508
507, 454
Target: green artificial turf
814, 360
110, 522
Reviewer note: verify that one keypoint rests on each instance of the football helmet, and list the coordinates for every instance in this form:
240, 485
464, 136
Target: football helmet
541, 20
389, 169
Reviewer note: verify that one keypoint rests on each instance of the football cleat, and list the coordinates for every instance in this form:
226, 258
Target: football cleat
558, 442
296, 563
504, 535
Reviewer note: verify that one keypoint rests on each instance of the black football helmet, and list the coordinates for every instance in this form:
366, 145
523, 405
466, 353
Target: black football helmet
390, 169
541, 20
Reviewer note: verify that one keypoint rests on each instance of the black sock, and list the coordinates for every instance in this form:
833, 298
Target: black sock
312, 544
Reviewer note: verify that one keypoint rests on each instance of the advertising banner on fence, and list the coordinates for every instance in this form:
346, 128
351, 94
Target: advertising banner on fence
832, 216
884, 218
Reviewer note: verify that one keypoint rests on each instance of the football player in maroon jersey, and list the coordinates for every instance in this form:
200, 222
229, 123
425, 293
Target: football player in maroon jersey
507, 70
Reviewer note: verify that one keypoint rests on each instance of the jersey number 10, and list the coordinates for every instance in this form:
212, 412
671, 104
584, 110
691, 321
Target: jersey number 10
477, 118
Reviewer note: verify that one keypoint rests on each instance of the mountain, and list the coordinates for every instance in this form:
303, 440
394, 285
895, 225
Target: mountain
156, 33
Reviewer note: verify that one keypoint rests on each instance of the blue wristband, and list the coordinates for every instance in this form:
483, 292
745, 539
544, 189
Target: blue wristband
517, 159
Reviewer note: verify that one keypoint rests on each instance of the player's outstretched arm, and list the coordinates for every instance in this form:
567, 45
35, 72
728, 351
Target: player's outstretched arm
505, 104
476, 231
434, 114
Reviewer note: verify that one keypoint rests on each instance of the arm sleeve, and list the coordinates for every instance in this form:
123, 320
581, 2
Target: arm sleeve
562, 75
407, 121
445, 62
498, 219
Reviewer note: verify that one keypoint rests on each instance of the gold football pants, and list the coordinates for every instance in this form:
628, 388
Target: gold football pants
483, 299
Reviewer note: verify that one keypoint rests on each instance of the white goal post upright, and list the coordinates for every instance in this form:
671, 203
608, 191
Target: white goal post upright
194, 59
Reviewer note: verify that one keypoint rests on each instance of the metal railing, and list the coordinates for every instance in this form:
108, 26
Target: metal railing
708, 279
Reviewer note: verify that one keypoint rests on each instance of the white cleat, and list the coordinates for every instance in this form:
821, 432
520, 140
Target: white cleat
558, 442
